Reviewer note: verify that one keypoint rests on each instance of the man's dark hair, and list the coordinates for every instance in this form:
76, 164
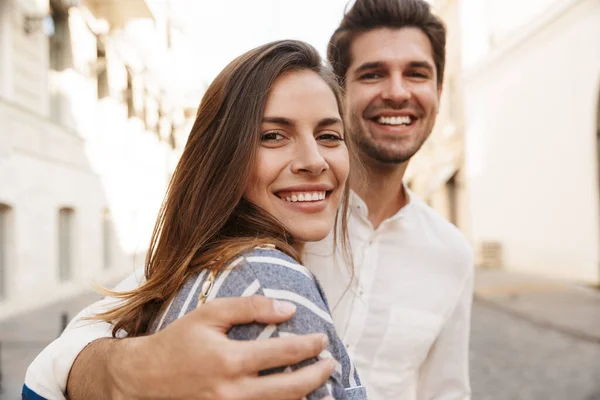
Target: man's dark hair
366, 15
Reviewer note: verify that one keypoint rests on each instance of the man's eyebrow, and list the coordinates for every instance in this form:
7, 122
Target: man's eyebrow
328, 122
278, 121
367, 66
378, 64
421, 64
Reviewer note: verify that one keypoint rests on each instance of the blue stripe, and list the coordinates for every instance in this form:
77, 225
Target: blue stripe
28, 394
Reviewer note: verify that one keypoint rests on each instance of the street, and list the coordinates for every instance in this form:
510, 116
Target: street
511, 357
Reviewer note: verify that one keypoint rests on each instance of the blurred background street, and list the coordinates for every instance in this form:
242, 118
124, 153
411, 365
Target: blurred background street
97, 98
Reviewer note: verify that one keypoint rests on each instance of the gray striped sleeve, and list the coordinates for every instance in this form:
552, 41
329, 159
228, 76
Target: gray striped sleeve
274, 274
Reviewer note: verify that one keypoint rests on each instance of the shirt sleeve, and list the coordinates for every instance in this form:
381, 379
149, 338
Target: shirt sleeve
445, 373
47, 375
295, 284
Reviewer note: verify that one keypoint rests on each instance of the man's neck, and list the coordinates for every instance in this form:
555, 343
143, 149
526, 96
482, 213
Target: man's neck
381, 189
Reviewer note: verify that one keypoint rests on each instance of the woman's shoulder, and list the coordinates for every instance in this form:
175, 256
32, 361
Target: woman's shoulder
265, 260
278, 275
268, 252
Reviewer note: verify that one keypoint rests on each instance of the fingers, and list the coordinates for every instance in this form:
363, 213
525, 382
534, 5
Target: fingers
223, 313
289, 386
278, 352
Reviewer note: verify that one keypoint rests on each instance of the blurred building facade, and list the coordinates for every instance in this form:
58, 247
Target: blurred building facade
526, 107
90, 132
436, 173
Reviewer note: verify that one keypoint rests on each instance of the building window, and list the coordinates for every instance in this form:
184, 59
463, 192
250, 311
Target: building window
60, 57
5, 222
452, 192
107, 239
66, 217
101, 69
60, 41
172, 135
129, 95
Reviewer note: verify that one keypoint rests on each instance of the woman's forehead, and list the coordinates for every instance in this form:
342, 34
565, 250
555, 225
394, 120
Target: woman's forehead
300, 93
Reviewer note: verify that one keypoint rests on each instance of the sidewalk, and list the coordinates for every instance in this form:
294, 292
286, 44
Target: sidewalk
562, 306
24, 336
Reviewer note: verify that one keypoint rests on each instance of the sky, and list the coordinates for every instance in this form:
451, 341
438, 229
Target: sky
215, 32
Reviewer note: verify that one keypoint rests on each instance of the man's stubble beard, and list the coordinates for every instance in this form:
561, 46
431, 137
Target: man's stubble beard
384, 154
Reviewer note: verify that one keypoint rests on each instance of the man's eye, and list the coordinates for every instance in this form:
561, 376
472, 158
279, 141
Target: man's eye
419, 75
271, 137
370, 75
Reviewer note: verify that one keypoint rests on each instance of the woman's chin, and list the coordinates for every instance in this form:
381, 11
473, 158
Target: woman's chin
309, 236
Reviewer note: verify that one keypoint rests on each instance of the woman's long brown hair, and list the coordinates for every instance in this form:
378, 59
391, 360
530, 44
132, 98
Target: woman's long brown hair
204, 220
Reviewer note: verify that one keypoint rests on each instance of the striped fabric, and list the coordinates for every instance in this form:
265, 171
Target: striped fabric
272, 273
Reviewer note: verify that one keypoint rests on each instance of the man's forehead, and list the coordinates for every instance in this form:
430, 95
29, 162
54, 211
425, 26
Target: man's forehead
390, 46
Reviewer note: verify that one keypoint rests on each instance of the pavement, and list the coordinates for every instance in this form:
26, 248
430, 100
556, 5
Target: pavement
24, 336
512, 358
562, 306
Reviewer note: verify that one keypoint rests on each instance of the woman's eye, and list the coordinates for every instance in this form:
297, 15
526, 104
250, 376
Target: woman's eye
271, 137
331, 138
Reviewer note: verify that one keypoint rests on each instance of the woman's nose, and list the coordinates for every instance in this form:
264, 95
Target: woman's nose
308, 158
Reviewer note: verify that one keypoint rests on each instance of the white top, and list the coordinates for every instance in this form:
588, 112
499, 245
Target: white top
405, 320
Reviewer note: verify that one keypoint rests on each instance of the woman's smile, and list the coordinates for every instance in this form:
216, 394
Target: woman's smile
306, 198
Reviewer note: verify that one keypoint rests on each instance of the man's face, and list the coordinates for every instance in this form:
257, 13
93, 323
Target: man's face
391, 92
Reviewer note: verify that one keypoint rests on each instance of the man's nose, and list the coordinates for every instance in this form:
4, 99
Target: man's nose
396, 89
308, 158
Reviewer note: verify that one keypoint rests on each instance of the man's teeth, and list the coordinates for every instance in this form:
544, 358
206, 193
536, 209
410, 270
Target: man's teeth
403, 120
314, 196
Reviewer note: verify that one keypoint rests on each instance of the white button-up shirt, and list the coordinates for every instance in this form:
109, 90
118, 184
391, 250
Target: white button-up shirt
405, 317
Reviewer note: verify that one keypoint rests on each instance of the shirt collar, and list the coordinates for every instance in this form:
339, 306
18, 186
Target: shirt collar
359, 206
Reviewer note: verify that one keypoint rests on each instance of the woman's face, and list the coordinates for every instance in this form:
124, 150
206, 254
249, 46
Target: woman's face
302, 162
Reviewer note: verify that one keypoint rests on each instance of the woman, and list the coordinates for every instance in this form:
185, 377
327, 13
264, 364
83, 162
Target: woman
263, 171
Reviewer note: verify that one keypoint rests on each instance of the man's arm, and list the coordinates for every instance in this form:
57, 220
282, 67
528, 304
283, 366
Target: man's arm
47, 374
194, 359
445, 373
190, 359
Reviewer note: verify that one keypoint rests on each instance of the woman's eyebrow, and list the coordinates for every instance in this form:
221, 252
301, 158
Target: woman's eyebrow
278, 120
288, 122
328, 122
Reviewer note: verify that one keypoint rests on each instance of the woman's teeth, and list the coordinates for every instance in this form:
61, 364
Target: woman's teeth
313, 196
403, 120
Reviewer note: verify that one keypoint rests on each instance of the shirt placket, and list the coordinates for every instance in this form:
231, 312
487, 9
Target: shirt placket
366, 259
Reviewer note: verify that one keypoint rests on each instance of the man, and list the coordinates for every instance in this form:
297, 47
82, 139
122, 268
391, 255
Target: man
406, 321
403, 313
